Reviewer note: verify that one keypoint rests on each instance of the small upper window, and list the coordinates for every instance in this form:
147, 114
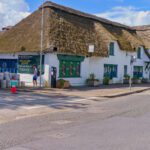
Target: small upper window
111, 49
139, 53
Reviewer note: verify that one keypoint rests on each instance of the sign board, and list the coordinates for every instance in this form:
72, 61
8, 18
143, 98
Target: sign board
91, 48
26, 63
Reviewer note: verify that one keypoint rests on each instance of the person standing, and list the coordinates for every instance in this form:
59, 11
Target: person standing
35, 76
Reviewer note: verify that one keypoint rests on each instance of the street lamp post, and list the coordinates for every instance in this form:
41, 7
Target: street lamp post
132, 60
42, 36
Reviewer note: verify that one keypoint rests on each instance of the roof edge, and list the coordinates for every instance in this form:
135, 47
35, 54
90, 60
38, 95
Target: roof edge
49, 4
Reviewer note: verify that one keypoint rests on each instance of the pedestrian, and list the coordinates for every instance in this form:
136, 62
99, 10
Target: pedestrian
35, 76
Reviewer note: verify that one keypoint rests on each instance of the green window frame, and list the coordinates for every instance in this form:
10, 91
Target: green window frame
69, 69
69, 66
111, 49
139, 53
138, 71
125, 70
110, 70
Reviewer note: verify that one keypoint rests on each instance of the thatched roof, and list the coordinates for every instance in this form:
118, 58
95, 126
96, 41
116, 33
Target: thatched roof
82, 14
144, 33
1, 33
25, 36
68, 30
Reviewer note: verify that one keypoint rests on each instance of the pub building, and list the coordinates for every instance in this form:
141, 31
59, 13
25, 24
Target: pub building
75, 45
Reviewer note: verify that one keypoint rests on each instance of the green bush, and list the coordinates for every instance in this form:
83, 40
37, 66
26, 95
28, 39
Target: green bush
127, 76
106, 80
91, 78
62, 82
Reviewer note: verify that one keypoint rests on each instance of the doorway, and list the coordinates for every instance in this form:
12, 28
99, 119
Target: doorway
53, 77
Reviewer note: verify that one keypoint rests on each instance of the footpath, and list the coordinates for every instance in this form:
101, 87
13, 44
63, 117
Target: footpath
110, 91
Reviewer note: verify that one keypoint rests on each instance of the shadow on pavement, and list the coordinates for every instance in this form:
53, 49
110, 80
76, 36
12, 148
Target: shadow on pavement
56, 101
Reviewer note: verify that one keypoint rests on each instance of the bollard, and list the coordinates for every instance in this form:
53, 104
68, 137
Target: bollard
13, 90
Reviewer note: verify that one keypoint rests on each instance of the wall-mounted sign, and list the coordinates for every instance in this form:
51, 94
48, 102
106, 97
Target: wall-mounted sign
26, 63
91, 48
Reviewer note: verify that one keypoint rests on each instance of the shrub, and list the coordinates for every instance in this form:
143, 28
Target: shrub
62, 82
106, 80
127, 76
91, 78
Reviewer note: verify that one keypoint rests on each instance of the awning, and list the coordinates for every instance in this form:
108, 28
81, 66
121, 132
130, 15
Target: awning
70, 57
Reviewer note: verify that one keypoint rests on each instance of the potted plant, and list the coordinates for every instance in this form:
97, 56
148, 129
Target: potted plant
126, 79
145, 80
136, 80
92, 81
106, 80
61, 83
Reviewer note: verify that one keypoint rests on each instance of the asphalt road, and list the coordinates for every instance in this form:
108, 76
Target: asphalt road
110, 124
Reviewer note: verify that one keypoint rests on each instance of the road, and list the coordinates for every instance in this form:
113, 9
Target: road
109, 124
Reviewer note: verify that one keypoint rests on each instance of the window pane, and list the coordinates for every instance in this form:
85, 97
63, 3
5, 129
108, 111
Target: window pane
138, 71
139, 53
110, 70
111, 48
69, 69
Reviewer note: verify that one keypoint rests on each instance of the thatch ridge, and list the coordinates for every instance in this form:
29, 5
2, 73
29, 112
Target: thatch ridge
142, 28
82, 14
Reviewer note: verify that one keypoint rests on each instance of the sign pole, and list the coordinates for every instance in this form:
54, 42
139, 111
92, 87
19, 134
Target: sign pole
130, 81
41, 51
132, 60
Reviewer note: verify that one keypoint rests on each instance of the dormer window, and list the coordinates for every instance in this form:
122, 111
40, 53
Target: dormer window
139, 53
111, 49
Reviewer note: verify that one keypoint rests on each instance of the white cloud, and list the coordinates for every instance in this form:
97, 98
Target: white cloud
127, 15
12, 11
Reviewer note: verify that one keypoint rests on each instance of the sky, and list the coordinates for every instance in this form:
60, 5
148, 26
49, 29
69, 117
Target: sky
129, 12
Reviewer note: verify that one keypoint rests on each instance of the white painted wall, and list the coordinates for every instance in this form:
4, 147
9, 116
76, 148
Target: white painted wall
89, 65
121, 58
51, 60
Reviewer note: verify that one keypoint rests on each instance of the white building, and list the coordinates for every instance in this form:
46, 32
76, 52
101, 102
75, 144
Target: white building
68, 53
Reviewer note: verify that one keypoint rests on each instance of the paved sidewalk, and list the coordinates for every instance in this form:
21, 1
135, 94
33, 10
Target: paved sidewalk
102, 91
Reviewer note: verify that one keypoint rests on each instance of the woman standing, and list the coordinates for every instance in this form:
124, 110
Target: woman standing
35, 76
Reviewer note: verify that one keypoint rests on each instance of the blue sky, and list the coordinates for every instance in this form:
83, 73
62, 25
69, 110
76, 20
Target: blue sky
95, 6
129, 12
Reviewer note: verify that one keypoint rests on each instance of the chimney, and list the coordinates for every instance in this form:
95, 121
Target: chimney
6, 28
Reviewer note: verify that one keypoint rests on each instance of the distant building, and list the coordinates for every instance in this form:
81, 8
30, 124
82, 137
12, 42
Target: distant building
68, 35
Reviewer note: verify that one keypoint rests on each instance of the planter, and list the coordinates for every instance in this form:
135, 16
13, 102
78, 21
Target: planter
145, 81
93, 83
136, 81
111, 81
62, 84
126, 81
